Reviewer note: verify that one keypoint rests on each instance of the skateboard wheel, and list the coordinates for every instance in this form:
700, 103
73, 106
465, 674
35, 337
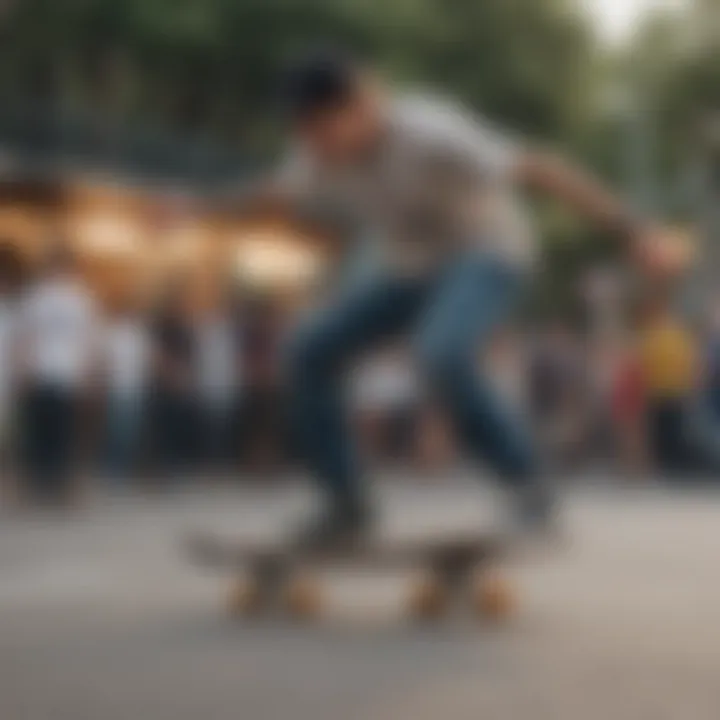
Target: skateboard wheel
493, 596
244, 598
428, 599
303, 600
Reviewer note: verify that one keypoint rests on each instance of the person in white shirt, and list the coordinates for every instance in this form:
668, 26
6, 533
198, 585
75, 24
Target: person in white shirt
6, 328
6, 325
10, 279
217, 366
56, 331
126, 364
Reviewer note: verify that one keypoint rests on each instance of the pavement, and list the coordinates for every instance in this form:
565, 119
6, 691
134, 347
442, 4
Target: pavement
101, 618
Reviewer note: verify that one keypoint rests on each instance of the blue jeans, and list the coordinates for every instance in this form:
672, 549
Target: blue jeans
449, 316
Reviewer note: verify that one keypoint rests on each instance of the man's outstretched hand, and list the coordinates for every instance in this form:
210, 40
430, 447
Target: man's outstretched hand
660, 253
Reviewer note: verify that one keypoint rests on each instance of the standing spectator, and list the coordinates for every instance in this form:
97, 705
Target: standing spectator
557, 393
669, 364
173, 401
706, 415
127, 355
711, 374
505, 361
628, 408
57, 350
10, 278
387, 399
6, 364
263, 432
218, 370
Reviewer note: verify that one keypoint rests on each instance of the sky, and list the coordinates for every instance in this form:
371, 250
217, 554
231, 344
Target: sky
618, 18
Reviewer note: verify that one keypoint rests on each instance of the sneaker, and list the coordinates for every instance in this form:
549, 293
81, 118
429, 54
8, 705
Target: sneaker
535, 512
338, 527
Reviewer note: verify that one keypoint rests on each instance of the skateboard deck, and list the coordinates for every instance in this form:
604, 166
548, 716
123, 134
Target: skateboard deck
458, 569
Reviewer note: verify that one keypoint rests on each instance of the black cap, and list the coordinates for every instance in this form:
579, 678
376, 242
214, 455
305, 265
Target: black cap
321, 80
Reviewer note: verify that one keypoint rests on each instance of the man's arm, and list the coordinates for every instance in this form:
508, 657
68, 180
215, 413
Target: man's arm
653, 247
478, 148
262, 195
281, 190
553, 176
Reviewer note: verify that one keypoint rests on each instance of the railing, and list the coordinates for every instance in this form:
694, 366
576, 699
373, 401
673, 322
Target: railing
38, 140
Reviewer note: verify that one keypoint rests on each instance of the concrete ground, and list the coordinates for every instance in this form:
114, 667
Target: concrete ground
101, 619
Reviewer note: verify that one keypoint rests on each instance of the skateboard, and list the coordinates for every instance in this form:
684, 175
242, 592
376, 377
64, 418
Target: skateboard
458, 572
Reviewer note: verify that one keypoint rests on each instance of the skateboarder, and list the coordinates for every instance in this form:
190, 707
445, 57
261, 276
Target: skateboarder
439, 187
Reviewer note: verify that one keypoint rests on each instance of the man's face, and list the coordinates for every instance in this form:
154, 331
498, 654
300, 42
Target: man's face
343, 134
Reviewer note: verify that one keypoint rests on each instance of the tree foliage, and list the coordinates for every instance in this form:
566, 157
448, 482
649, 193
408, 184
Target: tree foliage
209, 66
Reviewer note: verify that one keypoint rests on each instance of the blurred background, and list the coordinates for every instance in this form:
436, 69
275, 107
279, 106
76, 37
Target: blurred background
122, 122
142, 326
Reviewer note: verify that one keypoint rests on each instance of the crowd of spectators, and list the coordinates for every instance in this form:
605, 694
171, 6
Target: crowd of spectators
187, 385
176, 391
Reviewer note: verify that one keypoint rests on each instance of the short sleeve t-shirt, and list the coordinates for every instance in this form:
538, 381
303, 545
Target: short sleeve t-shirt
58, 318
127, 356
441, 182
668, 358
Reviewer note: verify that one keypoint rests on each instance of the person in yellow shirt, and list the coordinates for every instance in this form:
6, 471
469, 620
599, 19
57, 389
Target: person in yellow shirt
669, 363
